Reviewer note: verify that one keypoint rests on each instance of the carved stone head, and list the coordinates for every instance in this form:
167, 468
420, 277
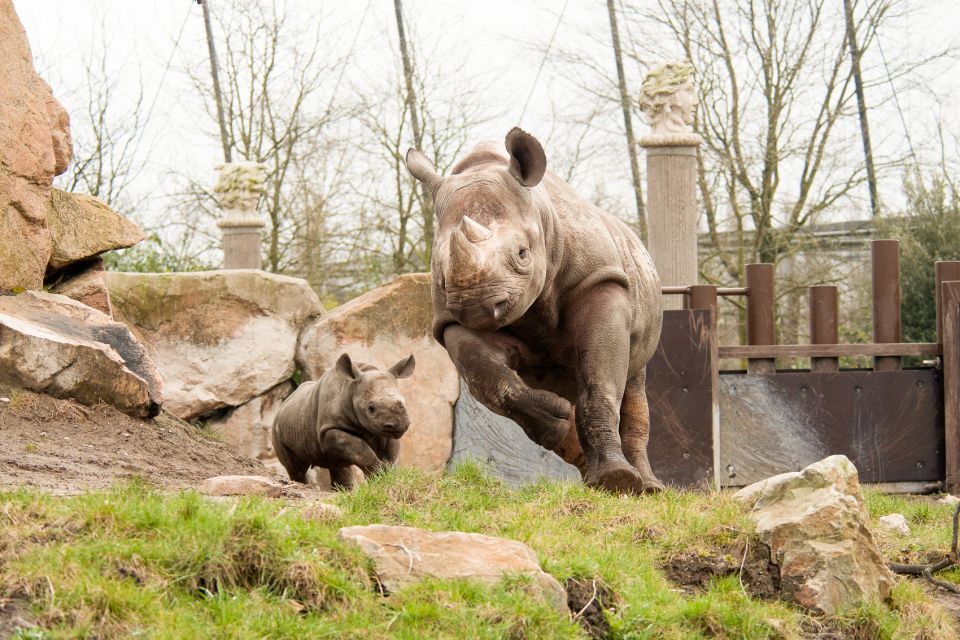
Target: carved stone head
668, 98
240, 185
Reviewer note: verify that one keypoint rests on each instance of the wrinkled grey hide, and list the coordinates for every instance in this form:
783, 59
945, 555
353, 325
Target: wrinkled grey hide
549, 307
353, 415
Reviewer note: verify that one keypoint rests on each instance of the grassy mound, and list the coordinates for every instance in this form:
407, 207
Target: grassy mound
135, 561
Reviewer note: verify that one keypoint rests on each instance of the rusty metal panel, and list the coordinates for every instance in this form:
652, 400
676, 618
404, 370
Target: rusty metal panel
889, 423
682, 391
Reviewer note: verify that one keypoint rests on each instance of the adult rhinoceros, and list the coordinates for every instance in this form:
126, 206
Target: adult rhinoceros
543, 299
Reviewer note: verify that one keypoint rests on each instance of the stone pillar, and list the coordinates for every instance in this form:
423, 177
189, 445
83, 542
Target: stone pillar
668, 99
238, 190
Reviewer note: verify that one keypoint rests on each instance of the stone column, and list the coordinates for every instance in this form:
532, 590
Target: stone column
668, 99
238, 190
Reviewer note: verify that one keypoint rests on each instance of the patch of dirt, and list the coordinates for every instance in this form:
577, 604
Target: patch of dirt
14, 616
64, 447
587, 600
750, 561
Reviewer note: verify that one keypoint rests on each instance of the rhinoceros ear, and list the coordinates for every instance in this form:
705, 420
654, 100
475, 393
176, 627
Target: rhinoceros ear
421, 168
528, 162
404, 368
346, 368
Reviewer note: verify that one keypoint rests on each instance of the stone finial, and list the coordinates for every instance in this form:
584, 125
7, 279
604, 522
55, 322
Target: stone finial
668, 99
240, 185
238, 189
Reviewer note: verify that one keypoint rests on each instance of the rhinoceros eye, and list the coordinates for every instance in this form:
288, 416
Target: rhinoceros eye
523, 253
371, 409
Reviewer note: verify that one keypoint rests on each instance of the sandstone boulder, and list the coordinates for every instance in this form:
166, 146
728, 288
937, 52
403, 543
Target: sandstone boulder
246, 429
241, 486
83, 227
219, 338
87, 283
402, 555
380, 327
816, 526
58, 346
34, 146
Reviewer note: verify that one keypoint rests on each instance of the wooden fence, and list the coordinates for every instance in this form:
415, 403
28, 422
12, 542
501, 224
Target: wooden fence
899, 425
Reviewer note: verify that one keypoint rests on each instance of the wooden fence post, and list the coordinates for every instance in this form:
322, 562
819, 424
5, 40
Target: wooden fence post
823, 324
760, 321
945, 272
702, 296
885, 255
950, 300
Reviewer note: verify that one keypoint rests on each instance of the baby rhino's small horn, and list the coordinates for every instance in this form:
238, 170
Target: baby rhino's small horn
474, 231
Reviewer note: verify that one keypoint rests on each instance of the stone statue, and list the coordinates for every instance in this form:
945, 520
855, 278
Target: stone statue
549, 307
240, 186
668, 99
238, 190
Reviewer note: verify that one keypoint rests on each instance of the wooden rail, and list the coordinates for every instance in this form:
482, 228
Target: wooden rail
895, 349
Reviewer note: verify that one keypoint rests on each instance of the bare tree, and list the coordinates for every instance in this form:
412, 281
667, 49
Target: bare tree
278, 88
106, 132
451, 104
625, 106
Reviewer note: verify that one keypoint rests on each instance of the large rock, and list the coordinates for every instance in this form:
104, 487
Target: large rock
34, 146
815, 523
87, 283
502, 446
83, 227
381, 327
402, 555
58, 346
219, 338
246, 429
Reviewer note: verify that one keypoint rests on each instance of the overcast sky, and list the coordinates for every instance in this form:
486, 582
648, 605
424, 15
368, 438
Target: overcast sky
144, 36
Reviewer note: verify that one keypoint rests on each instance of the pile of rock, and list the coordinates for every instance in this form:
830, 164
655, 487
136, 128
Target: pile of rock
64, 345
817, 528
231, 344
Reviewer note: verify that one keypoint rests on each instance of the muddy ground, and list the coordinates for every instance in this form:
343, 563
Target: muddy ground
65, 447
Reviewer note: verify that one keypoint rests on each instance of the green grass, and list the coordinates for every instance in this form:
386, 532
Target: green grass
139, 562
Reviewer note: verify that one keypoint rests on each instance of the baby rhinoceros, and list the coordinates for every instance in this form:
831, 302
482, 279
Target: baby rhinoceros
353, 415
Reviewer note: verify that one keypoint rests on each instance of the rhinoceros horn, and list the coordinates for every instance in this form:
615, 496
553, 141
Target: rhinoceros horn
474, 231
466, 258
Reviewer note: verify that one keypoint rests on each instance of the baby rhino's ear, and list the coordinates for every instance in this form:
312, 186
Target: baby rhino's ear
346, 368
404, 368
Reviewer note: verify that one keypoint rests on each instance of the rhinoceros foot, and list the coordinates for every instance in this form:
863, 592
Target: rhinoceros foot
618, 477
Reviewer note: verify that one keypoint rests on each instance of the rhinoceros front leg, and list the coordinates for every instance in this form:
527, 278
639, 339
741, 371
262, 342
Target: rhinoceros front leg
488, 363
601, 335
348, 449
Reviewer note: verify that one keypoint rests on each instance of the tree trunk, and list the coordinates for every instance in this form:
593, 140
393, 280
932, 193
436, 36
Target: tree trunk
855, 54
627, 124
426, 196
224, 140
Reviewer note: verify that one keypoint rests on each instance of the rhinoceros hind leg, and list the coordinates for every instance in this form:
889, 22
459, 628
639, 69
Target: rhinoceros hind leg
635, 430
618, 477
341, 478
296, 468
